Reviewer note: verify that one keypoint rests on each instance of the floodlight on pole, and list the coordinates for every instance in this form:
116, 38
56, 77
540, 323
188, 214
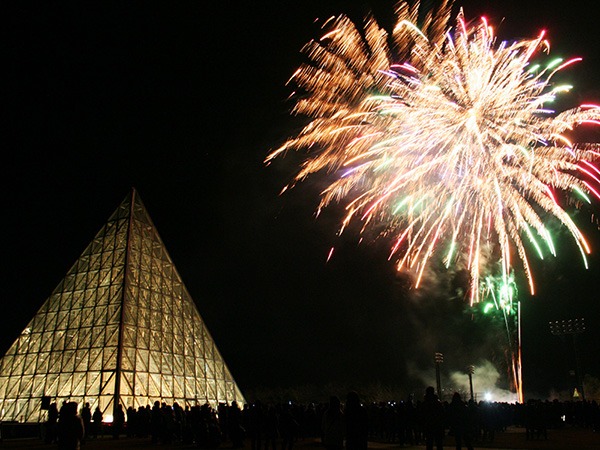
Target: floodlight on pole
439, 359
571, 327
471, 371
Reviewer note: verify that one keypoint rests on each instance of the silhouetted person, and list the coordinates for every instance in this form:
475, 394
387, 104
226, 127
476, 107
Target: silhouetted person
156, 422
311, 421
179, 421
63, 409
431, 413
131, 428
255, 425
333, 425
168, 423
234, 425
458, 418
288, 427
86, 416
118, 422
70, 428
271, 428
52, 423
413, 427
97, 422
357, 423
143, 419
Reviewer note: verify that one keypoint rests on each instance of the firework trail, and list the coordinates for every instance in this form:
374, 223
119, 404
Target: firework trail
443, 136
499, 295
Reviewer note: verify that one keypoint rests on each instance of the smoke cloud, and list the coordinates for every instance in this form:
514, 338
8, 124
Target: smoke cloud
485, 384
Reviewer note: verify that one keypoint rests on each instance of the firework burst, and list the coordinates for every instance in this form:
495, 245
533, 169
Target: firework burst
444, 136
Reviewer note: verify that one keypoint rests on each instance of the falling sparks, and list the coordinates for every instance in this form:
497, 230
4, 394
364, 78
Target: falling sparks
330, 254
444, 136
500, 295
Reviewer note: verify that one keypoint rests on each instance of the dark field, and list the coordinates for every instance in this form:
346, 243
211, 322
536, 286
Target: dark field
514, 438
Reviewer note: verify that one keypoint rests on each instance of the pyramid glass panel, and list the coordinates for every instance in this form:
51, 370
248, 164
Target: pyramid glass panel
119, 328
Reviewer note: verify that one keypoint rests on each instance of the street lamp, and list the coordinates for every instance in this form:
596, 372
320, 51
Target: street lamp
471, 371
571, 327
439, 359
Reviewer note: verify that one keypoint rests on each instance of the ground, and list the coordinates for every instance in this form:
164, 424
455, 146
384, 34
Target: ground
513, 439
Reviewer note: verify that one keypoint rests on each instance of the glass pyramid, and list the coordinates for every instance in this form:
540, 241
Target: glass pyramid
120, 327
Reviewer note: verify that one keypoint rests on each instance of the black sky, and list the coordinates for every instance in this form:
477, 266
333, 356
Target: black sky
183, 100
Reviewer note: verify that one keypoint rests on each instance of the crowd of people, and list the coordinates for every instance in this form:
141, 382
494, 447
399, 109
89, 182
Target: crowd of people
338, 424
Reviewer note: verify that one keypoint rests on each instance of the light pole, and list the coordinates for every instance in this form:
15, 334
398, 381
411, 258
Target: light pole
471, 371
439, 359
571, 327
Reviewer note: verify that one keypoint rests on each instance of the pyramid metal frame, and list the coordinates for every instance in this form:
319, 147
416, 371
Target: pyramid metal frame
120, 328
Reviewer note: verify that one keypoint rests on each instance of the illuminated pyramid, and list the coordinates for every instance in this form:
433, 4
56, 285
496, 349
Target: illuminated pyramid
120, 327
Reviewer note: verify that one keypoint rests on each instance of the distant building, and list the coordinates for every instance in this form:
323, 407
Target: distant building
120, 327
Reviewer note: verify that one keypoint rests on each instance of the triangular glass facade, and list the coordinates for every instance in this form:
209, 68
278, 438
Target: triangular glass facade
120, 327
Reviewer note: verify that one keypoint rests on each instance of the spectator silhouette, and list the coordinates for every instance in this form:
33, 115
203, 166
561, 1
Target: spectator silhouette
179, 421
118, 422
143, 420
432, 419
97, 422
156, 423
271, 428
51, 425
86, 416
288, 427
255, 425
168, 423
413, 430
458, 418
357, 423
234, 425
333, 425
131, 428
70, 428
63, 409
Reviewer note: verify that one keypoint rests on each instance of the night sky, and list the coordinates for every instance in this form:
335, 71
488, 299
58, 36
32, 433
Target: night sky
183, 101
